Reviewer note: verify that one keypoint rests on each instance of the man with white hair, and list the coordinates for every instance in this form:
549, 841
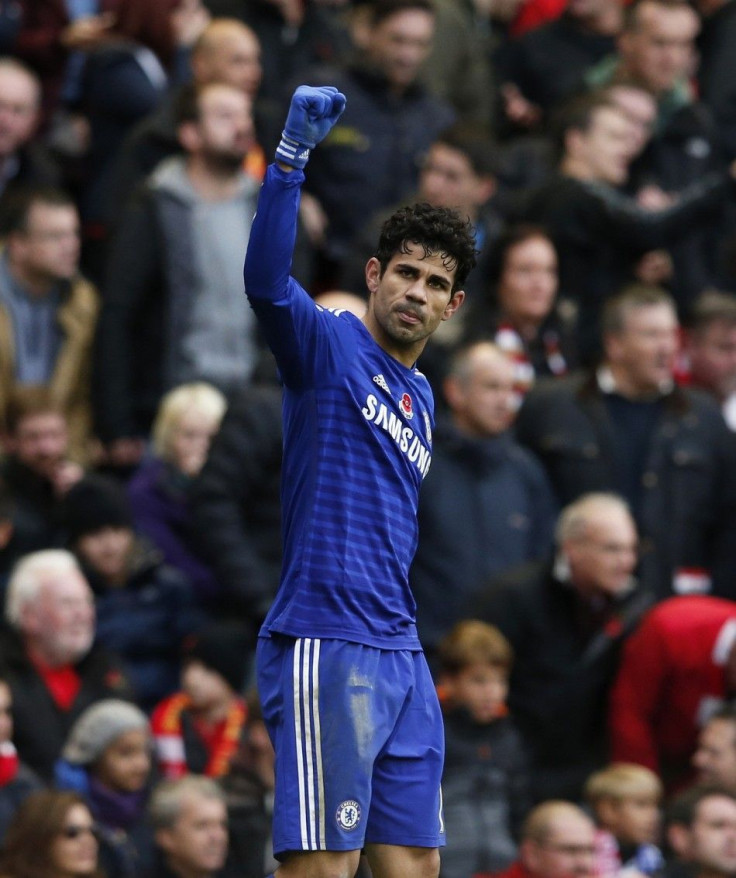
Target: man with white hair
566, 619
189, 819
48, 657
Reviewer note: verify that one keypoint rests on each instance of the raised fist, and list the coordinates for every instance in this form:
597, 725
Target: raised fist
313, 112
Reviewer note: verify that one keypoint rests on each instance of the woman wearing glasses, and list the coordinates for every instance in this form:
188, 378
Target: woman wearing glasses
52, 836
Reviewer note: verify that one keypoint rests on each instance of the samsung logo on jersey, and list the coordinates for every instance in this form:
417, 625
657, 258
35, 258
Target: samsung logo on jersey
407, 440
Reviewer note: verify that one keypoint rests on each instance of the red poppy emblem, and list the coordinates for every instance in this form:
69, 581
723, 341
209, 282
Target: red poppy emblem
406, 407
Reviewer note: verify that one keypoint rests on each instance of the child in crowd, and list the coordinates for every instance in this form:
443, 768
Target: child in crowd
625, 800
107, 760
145, 609
485, 783
199, 729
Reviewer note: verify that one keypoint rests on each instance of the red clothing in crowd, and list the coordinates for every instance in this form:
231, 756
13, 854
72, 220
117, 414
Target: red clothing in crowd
670, 680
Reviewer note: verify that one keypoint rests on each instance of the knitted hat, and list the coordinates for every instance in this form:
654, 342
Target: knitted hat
98, 727
93, 503
224, 648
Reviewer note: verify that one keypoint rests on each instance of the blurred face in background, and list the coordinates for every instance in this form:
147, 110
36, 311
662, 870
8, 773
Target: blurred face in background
74, 851
125, 764
528, 283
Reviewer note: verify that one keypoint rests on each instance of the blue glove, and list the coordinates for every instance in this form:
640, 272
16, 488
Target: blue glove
312, 114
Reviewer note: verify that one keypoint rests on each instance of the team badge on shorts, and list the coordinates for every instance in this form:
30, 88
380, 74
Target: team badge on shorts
348, 815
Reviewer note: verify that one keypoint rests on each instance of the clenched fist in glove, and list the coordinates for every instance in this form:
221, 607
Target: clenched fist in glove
313, 112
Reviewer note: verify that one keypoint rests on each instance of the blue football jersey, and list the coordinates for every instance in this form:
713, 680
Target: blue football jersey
357, 444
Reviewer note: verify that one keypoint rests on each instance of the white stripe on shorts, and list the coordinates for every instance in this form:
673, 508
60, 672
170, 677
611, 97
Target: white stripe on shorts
308, 744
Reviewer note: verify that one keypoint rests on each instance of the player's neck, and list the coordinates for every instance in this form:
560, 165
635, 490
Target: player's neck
407, 354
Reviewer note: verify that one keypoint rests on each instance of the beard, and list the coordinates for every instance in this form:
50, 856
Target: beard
223, 163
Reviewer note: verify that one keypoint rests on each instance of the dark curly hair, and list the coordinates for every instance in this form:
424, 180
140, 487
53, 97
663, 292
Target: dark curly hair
436, 230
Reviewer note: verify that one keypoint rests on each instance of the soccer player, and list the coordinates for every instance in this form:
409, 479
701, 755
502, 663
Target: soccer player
345, 689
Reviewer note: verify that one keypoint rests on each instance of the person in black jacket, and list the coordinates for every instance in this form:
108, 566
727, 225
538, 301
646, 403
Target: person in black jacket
236, 507
566, 620
627, 428
600, 233
485, 784
486, 504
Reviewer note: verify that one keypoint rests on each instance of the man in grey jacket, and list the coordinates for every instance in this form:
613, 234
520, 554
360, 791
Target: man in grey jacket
173, 295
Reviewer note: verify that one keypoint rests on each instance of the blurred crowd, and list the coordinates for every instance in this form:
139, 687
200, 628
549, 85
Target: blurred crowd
575, 577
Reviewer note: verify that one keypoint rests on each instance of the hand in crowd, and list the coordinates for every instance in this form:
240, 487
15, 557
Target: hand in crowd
65, 475
88, 32
653, 198
517, 108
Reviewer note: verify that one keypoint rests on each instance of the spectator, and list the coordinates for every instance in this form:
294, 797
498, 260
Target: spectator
710, 349
236, 505
293, 38
601, 234
37, 471
566, 622
370, 159
546, 66
107, 760
656, 50
48, 658
17, 781
199, 729
667, 450
485, 784
715, 757
51, 39
486, 505
716, 81
676, 670
249, 787
125, 79
459, 171
160, 490
145, 609
557, 841
48, 311
226, 51
701, 831
625, 800
519, 308
23, 158
52, 835
190, 824
174, 289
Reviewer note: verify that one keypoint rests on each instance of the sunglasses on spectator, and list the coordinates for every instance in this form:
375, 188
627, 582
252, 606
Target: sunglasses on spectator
75, 830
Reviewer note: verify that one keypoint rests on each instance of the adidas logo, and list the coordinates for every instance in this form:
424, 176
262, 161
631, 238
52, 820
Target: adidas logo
304, 154
381, 382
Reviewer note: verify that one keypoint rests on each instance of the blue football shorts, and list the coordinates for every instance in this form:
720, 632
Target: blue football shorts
359, 745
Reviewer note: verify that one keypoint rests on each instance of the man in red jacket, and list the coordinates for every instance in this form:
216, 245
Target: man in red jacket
676, 670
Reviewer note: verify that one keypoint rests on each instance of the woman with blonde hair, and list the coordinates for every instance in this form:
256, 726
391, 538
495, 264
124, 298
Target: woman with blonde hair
188, 418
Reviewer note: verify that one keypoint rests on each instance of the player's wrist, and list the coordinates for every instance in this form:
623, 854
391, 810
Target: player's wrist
292, 152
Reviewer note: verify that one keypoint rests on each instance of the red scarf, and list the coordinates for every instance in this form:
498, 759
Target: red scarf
8, 762
221, 740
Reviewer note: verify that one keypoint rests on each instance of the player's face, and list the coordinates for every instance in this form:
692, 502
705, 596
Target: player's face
409, 300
